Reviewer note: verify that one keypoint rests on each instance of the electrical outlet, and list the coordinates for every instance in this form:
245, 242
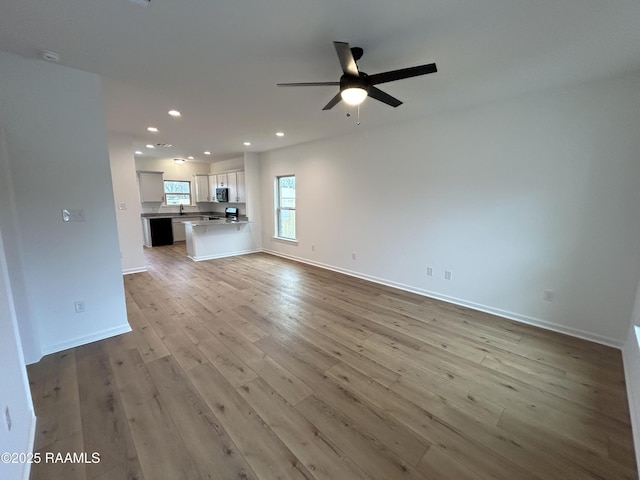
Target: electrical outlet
79, 306
353, 256
547, 296
430, 271
7, 417
122, 206
447, 275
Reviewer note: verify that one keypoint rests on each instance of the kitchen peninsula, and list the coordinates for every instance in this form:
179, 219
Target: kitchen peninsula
224, 237
208, 235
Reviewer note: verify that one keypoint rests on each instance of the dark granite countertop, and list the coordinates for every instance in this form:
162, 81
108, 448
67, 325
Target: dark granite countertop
221, 217
185, 214
221, 221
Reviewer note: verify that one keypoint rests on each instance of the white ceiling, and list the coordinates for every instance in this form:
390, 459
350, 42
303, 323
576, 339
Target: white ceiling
218, 61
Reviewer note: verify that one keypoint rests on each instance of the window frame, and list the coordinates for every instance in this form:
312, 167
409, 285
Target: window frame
164, 189
279, 209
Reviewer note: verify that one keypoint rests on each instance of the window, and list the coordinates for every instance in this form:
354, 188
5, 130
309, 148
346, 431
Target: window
286, 207
177, 192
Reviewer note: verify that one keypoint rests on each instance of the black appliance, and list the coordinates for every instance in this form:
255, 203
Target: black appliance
222, 194
161, 231
231, 212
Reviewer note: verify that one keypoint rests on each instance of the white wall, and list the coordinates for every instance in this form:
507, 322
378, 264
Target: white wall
513, 198
125, 191
14, 394
57, 149
12, 247
252, 179
226, 165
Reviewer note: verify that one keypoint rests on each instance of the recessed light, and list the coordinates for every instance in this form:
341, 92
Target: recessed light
138, 152
152, 129
150, 146
279, 134
174, 113
207, 152
247, 144
164, 145
179, 161
190, 157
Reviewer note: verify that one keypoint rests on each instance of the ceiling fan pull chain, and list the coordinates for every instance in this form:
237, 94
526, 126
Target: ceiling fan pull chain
358, 122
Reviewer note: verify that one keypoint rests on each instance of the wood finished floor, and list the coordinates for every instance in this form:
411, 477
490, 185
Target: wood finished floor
255, 367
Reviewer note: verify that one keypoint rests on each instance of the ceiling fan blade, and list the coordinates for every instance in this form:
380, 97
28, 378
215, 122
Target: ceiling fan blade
347, 62
402, 73
333, 102
384, 97
308, 84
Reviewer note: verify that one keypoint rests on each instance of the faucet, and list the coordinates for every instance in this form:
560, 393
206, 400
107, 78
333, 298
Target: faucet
181, 209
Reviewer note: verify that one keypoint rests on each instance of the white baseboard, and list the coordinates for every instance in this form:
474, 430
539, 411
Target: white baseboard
94, 337
223, 255
129, 271
536, 322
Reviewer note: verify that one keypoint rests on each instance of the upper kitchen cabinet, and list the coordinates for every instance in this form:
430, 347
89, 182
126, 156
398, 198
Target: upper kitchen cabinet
221, 180
241, 192
233, 182
237, 193
232, 187
151, 186
205, 192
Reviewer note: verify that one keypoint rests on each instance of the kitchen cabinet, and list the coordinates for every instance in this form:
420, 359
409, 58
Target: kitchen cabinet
177, 227
237, 190
204, 193
213, 184
146, 232
232, 194
241, 191
234, 181
151, 186
221, 180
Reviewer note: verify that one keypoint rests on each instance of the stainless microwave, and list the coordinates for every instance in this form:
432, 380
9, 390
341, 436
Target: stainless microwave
222, 194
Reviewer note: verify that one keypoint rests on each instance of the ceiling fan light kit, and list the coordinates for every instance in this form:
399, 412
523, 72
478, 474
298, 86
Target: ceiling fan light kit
355, 85
353, 95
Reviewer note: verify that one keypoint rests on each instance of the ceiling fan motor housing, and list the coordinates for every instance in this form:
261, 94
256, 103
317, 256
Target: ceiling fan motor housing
349, 81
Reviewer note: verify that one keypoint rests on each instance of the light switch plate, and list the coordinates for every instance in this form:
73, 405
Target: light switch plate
7, 417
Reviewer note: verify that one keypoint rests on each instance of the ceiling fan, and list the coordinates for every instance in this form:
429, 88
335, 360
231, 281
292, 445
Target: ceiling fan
355, 85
